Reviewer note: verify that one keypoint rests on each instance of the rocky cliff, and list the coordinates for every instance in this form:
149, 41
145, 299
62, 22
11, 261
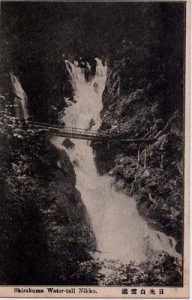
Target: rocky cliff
46, 232
45, 227
143, 98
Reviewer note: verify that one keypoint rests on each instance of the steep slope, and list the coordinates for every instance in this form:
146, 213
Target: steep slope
143, 98
46, 235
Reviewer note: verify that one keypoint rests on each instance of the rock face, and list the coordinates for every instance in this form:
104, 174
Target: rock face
68, 144
45, 227
140, 104
46, 230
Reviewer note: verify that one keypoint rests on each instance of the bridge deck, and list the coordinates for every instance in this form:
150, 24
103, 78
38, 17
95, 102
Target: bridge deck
84, 134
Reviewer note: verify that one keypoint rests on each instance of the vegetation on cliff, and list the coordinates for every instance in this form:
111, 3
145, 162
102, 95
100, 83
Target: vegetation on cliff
143, 98
46, 234
45, 230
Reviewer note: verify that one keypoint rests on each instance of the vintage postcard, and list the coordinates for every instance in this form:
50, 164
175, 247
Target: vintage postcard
94, 149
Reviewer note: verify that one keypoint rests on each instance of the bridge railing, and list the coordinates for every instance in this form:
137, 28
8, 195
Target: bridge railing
69, 130
87, 134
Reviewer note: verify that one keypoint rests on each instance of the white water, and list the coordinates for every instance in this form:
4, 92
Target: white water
120, 231
20, 94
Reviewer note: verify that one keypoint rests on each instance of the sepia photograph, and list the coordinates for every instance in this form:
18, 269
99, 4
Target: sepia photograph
93, 146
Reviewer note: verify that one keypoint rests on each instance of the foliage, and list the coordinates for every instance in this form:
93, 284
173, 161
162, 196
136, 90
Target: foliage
160, 270
45, 232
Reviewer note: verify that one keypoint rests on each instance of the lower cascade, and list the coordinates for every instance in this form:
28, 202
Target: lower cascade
121, 233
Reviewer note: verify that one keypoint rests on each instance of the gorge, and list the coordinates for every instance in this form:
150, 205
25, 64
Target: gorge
94, 212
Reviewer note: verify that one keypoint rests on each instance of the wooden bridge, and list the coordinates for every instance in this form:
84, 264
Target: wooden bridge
83, 134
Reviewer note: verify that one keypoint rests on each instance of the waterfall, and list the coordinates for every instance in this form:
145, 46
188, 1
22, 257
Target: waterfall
20, 101
121, 233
